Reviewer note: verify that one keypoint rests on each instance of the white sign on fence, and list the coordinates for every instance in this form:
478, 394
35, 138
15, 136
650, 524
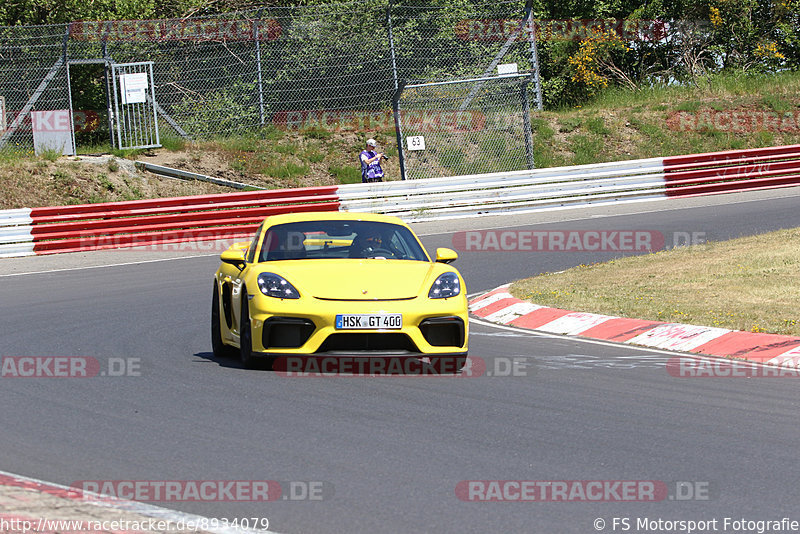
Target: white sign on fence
52, 131
133, 87
416, 142
507, 68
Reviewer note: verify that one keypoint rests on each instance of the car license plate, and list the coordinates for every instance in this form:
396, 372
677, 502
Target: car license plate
372, 321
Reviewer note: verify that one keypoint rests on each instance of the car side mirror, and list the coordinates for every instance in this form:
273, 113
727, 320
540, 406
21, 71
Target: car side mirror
446, 255
234, 257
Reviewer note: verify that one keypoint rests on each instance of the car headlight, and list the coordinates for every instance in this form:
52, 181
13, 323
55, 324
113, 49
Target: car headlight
276, 286
447, 285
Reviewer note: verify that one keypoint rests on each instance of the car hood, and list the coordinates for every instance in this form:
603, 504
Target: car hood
358, 279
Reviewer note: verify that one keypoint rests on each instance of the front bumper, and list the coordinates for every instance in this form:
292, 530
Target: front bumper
307, 326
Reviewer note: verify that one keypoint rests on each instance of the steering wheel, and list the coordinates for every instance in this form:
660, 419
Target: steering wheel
378, 251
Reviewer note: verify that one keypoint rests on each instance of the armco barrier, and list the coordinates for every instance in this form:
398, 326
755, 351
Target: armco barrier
50, 230
169, 220
519, 191
734, 170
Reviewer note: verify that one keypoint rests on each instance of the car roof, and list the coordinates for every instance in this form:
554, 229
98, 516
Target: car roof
331, 216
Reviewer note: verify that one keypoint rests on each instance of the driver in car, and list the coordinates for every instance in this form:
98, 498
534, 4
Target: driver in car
369, 244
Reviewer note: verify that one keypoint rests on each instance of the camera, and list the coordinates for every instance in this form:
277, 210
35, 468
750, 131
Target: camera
385, 156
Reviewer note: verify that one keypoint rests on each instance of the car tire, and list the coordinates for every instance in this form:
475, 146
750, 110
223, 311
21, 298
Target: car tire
220, 349
246, 335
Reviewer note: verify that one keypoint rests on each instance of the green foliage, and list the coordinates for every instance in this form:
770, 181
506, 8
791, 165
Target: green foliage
215, 111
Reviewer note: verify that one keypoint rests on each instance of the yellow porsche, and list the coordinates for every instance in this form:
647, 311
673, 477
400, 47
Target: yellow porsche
329, 283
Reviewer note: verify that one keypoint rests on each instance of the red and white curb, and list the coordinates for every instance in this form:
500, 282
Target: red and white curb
499, 306
25, 500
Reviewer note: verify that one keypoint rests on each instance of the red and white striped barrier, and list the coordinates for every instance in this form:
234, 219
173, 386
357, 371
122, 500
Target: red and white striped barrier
75, 228
499, 306
170, 220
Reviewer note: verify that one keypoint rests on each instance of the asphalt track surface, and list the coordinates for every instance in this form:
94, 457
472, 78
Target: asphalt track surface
391, 451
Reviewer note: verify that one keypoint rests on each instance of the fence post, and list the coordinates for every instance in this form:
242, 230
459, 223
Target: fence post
391, 43
537, 83
258, 67
398, 128
69, 91
526, 123
109, 79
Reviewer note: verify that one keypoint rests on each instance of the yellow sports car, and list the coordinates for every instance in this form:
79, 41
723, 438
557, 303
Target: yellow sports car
334, 284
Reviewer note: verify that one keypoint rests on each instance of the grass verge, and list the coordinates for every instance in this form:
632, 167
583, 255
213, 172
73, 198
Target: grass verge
749, 283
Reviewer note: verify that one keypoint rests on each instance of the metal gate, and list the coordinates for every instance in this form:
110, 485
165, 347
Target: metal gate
135, 119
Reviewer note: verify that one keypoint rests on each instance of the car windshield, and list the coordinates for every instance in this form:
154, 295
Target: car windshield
340, 239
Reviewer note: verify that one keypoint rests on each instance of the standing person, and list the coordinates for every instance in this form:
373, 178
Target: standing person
371, 170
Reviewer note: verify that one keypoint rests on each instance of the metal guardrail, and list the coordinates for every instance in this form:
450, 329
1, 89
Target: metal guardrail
186, 175
519, 191
155, 222
734, 170
15, 233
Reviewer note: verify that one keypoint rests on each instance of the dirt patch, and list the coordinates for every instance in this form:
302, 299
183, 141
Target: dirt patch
204, 161
39, 182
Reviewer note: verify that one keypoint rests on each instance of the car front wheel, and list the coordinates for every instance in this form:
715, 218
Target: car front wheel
246, 335
220, 349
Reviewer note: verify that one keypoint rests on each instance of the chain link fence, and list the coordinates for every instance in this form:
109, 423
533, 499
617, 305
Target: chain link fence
469, 126
334, 66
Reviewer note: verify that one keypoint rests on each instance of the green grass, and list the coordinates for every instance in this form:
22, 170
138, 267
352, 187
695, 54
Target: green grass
346, 174
245, 143
541, 129
569, 123
50, 154
173, 144
751, 283
689, 105
285, 171
596, 125
313, 156
316, 132
776, 103
103, 180
586, 149
290, 148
